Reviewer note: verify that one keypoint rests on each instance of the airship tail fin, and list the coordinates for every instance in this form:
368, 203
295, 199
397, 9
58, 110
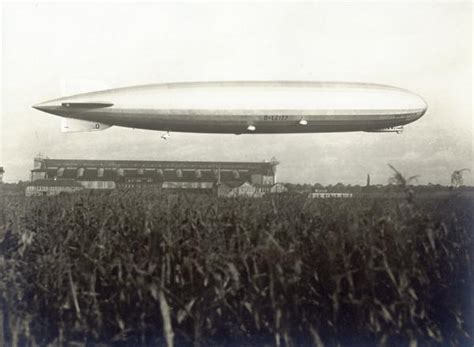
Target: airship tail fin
69, 125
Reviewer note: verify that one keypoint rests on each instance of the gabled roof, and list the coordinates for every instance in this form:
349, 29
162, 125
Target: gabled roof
257, 185
234, 184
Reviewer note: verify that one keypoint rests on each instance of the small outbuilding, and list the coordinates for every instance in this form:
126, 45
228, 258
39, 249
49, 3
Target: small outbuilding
232, 189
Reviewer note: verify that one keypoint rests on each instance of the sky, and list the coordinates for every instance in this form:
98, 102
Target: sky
423, 47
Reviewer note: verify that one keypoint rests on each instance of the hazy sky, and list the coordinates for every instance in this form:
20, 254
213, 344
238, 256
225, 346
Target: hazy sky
424, 47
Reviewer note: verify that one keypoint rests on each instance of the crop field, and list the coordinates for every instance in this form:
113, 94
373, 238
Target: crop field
137, 269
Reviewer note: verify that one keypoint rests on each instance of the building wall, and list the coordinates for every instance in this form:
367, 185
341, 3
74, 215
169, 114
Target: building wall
262, 179
250, 190
187, 185
48, 191
245, 189
37, 175
98, 184
278, 188
330, 195
223, 190
139, 186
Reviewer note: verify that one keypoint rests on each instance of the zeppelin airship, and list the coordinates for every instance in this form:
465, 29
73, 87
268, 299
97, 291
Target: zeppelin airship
250, 107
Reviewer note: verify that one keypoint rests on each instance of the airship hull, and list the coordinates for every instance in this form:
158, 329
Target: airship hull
246, 107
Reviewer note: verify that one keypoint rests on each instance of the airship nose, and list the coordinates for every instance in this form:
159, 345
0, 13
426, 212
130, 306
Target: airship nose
47, 106
39, 107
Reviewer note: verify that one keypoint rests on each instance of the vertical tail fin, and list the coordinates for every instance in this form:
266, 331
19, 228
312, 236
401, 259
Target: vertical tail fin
69, 125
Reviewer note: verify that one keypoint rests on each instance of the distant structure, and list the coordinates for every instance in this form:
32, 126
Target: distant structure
221, 178
368, 181
2, 171
324, 194
48, 187
249, 190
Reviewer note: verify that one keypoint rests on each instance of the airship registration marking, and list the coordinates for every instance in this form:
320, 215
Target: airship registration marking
275, 117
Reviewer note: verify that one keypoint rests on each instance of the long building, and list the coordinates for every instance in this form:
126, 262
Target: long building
155, 175
44, 187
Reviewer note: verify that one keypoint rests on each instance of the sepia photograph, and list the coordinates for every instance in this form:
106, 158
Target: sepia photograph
210, 173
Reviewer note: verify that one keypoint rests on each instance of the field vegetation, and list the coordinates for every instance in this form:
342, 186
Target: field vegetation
137, 269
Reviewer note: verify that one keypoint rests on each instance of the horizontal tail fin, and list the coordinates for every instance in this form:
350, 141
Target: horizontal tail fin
69, 125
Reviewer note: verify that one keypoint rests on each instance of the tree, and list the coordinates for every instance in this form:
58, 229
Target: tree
401, 181
456, 177
318, 186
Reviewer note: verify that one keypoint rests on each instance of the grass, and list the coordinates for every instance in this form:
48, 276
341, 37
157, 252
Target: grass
131, 269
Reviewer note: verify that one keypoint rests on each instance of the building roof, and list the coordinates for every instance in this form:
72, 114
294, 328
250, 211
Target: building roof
234, 184
257, 185
70, 168
157, 171
55, 183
